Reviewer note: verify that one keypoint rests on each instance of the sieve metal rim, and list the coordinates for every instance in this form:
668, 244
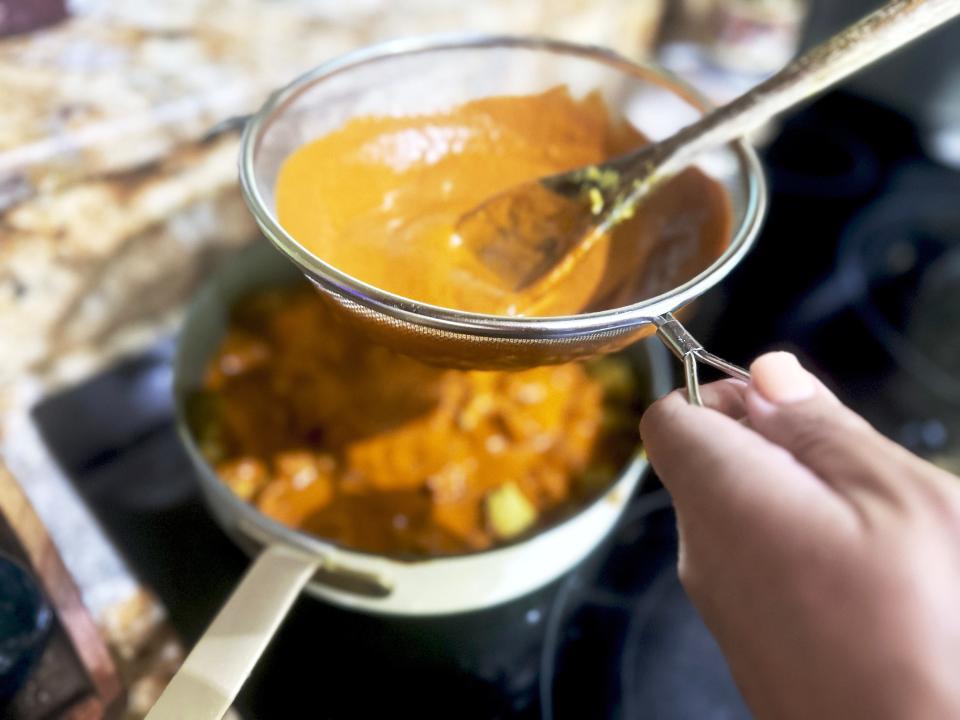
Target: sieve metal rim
477, 324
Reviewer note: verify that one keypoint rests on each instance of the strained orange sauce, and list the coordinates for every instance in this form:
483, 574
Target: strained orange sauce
380, 197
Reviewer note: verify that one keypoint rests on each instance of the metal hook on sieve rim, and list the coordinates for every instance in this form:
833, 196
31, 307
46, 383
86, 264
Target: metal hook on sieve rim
689, 350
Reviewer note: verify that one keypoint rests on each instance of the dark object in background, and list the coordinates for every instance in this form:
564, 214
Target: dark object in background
62, 666
827, 163
20, 16
922, 82
897, 273
858, 271
25, 622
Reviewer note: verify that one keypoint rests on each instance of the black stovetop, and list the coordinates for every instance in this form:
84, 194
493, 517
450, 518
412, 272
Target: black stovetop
615, 639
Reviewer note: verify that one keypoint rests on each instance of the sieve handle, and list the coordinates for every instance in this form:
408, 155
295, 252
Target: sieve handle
688, 349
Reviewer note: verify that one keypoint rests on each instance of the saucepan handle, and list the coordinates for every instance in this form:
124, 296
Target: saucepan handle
686, 347
214, 671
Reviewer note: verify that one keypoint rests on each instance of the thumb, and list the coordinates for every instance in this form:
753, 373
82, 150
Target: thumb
791, 408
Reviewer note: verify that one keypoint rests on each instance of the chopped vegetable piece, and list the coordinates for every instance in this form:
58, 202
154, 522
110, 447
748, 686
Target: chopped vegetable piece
245, 476
509, 512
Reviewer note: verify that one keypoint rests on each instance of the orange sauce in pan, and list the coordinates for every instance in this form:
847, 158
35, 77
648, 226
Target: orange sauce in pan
327, 432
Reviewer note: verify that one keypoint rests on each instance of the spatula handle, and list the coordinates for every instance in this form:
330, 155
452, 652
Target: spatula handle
891, 27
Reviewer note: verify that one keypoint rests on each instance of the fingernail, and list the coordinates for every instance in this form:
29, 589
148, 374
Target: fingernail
780, 378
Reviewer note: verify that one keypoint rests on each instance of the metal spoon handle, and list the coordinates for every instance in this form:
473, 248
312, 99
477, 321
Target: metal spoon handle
876, 35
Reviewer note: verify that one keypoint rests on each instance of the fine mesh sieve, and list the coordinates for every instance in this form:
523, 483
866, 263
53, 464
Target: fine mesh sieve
435, 73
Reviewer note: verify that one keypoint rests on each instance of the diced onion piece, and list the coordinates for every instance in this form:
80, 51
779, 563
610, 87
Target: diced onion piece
509, 512
245, 476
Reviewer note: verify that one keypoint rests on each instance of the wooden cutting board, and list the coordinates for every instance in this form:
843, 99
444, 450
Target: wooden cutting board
76, 678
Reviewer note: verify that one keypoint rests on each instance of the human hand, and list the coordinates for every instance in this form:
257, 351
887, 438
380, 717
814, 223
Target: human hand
824, 558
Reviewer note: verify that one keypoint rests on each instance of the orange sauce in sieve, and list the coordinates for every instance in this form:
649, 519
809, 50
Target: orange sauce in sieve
379, 199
